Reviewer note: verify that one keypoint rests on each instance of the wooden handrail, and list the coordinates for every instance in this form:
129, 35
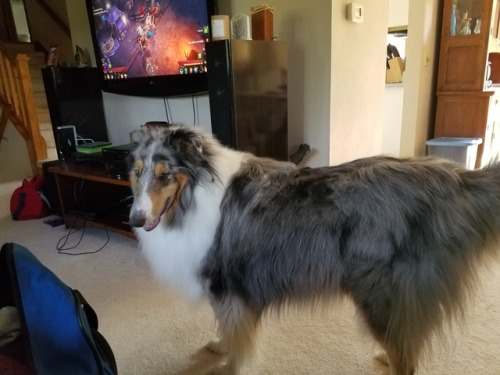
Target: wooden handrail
18, 105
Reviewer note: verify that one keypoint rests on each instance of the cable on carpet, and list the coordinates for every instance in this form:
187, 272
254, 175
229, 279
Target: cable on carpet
61, 248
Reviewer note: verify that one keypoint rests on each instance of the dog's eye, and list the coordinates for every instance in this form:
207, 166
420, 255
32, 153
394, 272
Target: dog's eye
164, 177
137, 172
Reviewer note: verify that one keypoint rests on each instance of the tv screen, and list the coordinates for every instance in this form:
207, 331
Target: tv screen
151, 47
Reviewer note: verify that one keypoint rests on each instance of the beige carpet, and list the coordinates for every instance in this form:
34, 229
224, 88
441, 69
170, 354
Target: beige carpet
153, 331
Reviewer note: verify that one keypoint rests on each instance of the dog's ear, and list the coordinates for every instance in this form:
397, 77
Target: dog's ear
149, 129
137, 136
187, 142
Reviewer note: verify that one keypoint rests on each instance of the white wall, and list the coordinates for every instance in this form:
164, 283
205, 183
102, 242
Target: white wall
398, 12
358, 81
420, 76
127, 113
393, 118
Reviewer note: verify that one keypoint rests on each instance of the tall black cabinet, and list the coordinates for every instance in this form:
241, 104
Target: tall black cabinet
74, 97
247, 84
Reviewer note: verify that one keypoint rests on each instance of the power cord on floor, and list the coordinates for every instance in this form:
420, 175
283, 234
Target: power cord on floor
61, 249
61, 243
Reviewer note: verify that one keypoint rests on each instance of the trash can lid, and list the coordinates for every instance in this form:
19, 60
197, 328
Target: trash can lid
454, 141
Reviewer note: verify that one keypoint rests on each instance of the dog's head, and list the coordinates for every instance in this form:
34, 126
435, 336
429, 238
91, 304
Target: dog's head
165, 165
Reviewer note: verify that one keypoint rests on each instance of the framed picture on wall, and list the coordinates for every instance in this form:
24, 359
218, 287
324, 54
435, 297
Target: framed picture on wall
53, 56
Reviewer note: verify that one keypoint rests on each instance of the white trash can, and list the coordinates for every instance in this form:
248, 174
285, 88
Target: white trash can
461, 150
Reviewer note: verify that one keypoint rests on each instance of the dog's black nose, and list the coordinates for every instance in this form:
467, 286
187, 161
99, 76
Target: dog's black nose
137, 219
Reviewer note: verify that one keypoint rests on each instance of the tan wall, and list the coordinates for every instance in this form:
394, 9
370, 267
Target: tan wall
80, 29
420, 76
44, 30
14, 161
358, 82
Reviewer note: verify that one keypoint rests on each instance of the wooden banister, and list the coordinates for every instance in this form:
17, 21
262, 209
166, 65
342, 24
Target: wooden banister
18, 105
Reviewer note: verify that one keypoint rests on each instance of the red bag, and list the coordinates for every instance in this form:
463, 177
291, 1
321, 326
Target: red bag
28, 202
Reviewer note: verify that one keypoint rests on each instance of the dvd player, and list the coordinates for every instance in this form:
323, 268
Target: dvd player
115, 160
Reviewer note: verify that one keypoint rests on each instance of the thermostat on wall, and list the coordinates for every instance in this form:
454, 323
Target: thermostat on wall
355, 12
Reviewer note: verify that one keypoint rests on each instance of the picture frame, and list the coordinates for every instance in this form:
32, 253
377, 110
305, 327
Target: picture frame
53, 56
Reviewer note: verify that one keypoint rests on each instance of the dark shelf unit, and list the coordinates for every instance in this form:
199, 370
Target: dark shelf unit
89, 197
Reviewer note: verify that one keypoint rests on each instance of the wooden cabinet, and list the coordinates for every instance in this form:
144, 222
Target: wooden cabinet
467, 99
89, 197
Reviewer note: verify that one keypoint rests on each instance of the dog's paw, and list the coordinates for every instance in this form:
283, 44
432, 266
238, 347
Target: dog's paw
382, 357
217, 347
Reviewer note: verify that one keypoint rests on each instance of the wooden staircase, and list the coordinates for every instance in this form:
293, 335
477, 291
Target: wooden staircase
23, 101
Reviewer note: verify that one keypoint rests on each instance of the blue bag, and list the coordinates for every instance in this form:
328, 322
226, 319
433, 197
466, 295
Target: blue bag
58, 327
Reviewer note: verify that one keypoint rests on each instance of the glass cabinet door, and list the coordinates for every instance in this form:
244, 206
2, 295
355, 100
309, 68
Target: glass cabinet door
466, 17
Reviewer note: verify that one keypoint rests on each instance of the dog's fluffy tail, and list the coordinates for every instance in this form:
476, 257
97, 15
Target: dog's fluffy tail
481, 205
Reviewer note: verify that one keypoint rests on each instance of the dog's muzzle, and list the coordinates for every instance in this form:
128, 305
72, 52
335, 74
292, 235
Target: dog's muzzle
137, 218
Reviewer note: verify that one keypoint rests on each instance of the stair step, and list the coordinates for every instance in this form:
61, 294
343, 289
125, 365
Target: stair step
37, 85
48, 135
37, 59
43, 116
36, 74
40, 99
45, 126
51, 155
42, 107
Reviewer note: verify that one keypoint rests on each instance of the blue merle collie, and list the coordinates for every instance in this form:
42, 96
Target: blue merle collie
404, 239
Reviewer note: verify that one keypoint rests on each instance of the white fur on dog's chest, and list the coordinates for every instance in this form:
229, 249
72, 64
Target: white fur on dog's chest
175, 254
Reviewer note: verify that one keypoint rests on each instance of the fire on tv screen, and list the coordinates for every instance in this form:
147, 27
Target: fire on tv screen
150, 38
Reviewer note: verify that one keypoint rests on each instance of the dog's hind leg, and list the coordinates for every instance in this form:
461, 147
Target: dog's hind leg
401, 331
399, 364
238, 327
401, 350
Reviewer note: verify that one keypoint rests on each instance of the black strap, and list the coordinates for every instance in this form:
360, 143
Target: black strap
20, 206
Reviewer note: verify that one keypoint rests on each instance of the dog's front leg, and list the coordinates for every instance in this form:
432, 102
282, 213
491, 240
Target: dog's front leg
220, 347
238, 328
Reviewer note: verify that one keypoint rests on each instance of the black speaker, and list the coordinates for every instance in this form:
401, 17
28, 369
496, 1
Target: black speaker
220, 91
50, 186
74, 97
247, 86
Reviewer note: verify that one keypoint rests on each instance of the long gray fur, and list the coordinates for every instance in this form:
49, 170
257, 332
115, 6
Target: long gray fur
402, 238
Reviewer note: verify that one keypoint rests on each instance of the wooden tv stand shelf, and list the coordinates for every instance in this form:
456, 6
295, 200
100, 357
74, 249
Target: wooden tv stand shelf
92, 198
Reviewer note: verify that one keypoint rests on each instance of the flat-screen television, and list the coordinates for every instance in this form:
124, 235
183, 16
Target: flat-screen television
151, 47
